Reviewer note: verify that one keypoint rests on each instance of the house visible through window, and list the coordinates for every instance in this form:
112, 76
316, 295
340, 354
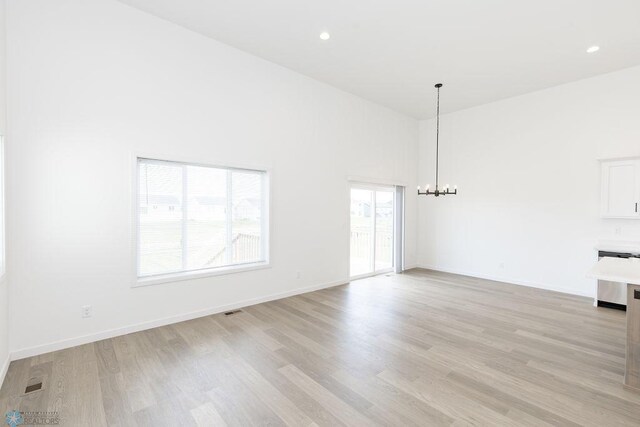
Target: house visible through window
193, 217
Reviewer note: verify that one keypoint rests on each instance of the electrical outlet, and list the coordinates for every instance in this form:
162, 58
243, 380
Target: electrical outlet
87, 311
617, 231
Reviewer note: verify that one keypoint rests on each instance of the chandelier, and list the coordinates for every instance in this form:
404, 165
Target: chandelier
445, 190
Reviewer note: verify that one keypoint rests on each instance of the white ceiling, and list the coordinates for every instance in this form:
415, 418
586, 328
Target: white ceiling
393, 51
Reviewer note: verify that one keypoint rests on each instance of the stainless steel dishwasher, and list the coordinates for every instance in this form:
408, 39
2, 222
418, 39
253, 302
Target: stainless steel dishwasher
613, 294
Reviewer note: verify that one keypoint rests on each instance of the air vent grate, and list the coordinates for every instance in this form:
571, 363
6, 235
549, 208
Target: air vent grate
33, 387
229, 313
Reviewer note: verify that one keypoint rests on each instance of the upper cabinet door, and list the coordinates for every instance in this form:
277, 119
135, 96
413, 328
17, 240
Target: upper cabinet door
620, 188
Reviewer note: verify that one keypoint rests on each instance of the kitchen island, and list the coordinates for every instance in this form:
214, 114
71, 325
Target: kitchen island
626, 271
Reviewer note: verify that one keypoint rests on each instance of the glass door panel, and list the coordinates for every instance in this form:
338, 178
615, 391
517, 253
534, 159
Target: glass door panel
362, 229
384, 230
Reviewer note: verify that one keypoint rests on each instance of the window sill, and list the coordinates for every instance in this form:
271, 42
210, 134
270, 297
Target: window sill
189, 275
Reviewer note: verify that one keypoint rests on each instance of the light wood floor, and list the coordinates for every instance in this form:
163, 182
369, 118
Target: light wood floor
421, 348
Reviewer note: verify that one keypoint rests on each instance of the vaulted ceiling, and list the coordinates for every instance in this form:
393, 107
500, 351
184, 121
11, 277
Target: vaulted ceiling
392, 52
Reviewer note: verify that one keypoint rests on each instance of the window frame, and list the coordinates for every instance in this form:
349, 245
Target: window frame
3, 212
208, 272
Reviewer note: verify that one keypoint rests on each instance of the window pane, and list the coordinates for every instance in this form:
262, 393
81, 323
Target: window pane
160, 221
246, 245
384, 230
195, 217
207, 217
3, 259
361, 231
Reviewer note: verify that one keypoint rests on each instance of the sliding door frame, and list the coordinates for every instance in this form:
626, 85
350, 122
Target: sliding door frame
397, 239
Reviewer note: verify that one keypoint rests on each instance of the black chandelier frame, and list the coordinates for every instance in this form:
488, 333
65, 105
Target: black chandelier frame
446, 190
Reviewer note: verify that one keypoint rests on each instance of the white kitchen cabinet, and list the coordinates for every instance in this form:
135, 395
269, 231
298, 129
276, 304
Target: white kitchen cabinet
620, 188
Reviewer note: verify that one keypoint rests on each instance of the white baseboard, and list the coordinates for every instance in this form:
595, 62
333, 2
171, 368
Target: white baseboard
86, 339
4, 369
509, 280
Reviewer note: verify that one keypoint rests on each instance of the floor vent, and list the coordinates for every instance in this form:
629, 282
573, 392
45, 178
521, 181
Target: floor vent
33, 387
229, 313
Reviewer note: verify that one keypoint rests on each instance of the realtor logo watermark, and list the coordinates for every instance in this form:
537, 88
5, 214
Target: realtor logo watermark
14, 418
32, 418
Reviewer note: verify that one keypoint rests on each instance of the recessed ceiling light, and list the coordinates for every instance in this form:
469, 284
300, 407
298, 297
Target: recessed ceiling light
325, 36
593, 49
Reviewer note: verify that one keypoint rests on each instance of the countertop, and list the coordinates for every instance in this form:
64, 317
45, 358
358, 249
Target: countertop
618, 246
625, 270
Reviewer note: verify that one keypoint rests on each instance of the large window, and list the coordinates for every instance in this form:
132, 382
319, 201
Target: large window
2, 212
196, 218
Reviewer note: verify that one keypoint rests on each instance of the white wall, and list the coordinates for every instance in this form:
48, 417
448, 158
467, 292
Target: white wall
528, 208
93, 82
4, 292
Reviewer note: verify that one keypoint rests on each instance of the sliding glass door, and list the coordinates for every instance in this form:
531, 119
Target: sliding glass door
372, 229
